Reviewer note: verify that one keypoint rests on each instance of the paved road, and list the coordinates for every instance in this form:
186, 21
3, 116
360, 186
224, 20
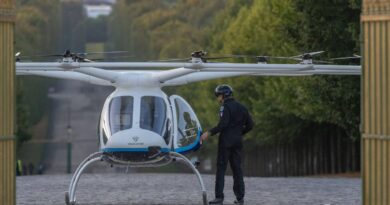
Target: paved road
78, 104
180, 189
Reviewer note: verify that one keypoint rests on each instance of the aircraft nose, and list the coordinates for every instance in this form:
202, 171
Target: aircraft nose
136, 138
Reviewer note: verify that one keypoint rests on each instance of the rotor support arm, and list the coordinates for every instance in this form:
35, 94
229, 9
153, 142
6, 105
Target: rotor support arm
99, 73
68, 75
66, 68
164, 76
202, 76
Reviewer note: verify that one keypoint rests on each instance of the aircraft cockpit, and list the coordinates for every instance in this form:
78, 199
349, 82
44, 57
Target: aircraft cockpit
136, 123
121, 113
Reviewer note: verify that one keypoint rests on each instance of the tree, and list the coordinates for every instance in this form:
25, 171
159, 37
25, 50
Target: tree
332, 26
36, 32
284, 108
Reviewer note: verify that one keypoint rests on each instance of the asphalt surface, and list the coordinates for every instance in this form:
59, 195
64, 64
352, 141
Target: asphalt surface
101, 186
180, 189
78, 105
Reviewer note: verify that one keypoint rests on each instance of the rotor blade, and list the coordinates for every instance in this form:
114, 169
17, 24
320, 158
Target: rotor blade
287, 58
43, 56
269, 57
250, 56
103, 52
323, 62
85, 59
95, 59
223, 56
171, 60
241, 56
346, 58
112, 58
220, 57
315, 53
311, 53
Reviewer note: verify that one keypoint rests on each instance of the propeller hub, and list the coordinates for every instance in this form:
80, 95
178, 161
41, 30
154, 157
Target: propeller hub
307, 56
198, 54
67, 54
262, 59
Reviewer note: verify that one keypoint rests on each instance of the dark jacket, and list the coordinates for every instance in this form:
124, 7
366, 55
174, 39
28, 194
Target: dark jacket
234, 122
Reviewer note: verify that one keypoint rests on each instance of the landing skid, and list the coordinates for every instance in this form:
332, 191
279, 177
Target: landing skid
70, 195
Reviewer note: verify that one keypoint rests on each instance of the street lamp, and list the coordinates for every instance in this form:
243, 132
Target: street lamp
69, 150
69, 130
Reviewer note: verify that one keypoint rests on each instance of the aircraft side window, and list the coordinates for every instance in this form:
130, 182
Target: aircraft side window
153, 114
167, 131
121, 113
187, 126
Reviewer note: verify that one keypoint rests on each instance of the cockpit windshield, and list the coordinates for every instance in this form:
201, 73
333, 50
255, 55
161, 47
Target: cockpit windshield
153, 114
121, 113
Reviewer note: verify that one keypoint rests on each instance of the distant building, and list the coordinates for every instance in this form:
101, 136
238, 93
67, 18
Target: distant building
96, 8
98, 2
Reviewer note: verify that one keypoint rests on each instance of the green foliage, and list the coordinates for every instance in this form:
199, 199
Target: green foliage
260, 29
22, 111
30, 21
285, 109
332, 26
37, 29
156, 29
36, 32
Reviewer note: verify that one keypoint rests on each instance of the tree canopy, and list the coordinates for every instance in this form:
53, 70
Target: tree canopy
36, 32
284, 108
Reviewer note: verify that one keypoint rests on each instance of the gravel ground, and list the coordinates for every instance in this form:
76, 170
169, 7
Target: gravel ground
175, 189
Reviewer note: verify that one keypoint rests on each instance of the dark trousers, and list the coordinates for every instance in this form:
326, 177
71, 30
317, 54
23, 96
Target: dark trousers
233, 156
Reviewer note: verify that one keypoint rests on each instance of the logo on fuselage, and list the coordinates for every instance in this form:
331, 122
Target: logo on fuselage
135, 141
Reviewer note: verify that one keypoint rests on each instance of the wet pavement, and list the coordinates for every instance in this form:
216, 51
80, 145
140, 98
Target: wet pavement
178, 189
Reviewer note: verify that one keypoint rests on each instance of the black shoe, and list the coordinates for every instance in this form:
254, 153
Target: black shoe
217, 201
239, 202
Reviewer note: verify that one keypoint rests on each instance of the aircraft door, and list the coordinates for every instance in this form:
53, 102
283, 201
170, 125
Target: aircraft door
186, 126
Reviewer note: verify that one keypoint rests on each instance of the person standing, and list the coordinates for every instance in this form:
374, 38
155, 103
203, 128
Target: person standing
235, 121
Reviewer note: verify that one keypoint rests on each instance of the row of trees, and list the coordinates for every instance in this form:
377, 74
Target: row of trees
291, 113
46, 27
284, 108
287, 110
36, 32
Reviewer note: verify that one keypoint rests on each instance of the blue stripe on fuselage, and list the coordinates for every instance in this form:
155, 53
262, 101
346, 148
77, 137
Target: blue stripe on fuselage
131, 150
192, 147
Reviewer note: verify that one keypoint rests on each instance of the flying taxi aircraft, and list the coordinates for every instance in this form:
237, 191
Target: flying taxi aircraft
140, 126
